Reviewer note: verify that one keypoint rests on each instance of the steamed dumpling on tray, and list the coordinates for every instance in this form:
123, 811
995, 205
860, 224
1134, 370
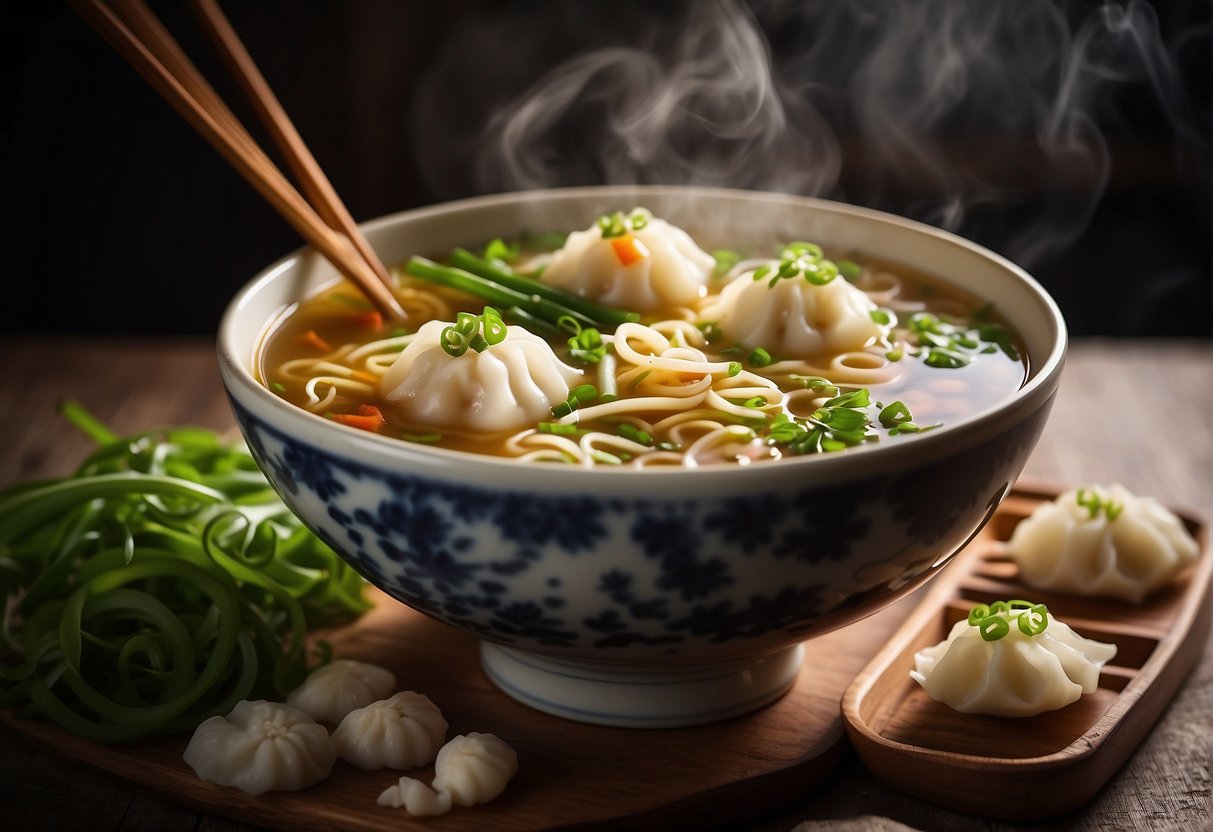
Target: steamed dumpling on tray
632, 261
1101, 541
1010, 659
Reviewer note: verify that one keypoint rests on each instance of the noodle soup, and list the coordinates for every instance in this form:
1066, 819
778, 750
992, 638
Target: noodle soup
645, 349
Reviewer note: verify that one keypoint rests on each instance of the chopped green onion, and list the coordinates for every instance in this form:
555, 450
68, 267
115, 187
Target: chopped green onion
880, 316
726, 259
993, 621
558, 428
849, 269
494, 326
497, 249
453, 342
629, 431
734, 368
895, 414
1091, 500
619, 224
817, 384
759, 358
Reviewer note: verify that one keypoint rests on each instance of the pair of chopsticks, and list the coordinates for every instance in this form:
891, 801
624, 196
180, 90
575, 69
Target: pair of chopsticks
131, 28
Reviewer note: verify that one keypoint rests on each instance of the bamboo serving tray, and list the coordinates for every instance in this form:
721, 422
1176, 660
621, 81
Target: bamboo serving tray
1041, 766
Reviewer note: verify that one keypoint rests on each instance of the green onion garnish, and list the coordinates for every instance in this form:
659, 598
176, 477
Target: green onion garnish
466, 333
618, 223
993, 621
1094, 504
759, 358
629, 431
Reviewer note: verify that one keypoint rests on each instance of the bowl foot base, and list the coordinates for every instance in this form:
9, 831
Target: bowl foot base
641, 696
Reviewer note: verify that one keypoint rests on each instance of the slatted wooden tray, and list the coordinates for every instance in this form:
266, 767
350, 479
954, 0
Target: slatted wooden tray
1036, 767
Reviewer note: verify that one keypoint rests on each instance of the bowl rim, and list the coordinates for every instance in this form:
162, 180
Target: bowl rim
838, 466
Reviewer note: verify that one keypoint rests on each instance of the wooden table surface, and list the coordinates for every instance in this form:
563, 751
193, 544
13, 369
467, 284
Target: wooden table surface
1135, 412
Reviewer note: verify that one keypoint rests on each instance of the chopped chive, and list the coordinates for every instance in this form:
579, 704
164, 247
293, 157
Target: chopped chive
760, 358
726, 259
629, 431
453, 342
895, 414
497, 249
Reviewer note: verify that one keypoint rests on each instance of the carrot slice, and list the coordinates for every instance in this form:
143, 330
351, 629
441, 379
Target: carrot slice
368, 417
313, 340
370, 319
628, 249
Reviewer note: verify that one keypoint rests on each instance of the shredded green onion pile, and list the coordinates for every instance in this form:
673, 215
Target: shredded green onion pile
159, 585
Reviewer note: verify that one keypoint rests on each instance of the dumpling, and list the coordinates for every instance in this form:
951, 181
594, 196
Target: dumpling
633, 262
340, 686
1016, 674
509, 385
402, 732
1101, 541
474, 768
793, 317
415, 797
261, 746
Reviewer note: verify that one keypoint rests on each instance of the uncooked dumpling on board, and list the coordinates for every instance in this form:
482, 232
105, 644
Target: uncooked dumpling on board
333, 690
403, 731
474, 768
260, 747
1101, 541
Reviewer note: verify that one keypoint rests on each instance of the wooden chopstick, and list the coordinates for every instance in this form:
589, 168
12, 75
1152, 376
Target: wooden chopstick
307, 170
140, 39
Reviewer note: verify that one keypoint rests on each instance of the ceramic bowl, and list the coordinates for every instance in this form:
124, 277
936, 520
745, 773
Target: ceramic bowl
656, 597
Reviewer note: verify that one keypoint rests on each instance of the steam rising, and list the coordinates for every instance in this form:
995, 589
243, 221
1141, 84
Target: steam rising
969, 116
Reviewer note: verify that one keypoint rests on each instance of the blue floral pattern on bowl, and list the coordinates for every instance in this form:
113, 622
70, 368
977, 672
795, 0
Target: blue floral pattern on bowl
552, 571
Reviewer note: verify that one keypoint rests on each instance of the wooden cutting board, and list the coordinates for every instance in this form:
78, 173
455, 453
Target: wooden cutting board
570, 774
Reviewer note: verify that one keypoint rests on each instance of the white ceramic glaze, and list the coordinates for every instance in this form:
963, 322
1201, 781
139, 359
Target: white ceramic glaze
691, 574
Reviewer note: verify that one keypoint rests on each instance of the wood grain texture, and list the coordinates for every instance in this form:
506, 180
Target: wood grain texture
985, 765
570, 774
1092, 436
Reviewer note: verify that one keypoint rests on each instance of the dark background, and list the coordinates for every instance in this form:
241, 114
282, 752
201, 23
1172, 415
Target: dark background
121, 220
